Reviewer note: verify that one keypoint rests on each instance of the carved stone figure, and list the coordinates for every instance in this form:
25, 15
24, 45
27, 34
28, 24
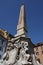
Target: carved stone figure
24, 58
10, 55
17, 54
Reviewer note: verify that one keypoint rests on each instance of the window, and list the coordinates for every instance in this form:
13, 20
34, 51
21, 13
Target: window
0, 47
42, 52
0, 44
37, 53
39, 60
0, 56
37, 49
41, 47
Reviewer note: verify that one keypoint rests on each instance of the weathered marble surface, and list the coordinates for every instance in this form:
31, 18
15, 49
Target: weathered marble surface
16, 55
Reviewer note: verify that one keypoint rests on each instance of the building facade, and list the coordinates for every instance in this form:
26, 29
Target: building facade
38, 50
3, 43
4, 37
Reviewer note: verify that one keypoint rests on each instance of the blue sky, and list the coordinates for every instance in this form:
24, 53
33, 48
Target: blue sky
9, 14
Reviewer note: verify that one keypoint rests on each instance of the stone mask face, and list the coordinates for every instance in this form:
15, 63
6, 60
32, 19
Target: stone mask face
25, 45
10, 46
